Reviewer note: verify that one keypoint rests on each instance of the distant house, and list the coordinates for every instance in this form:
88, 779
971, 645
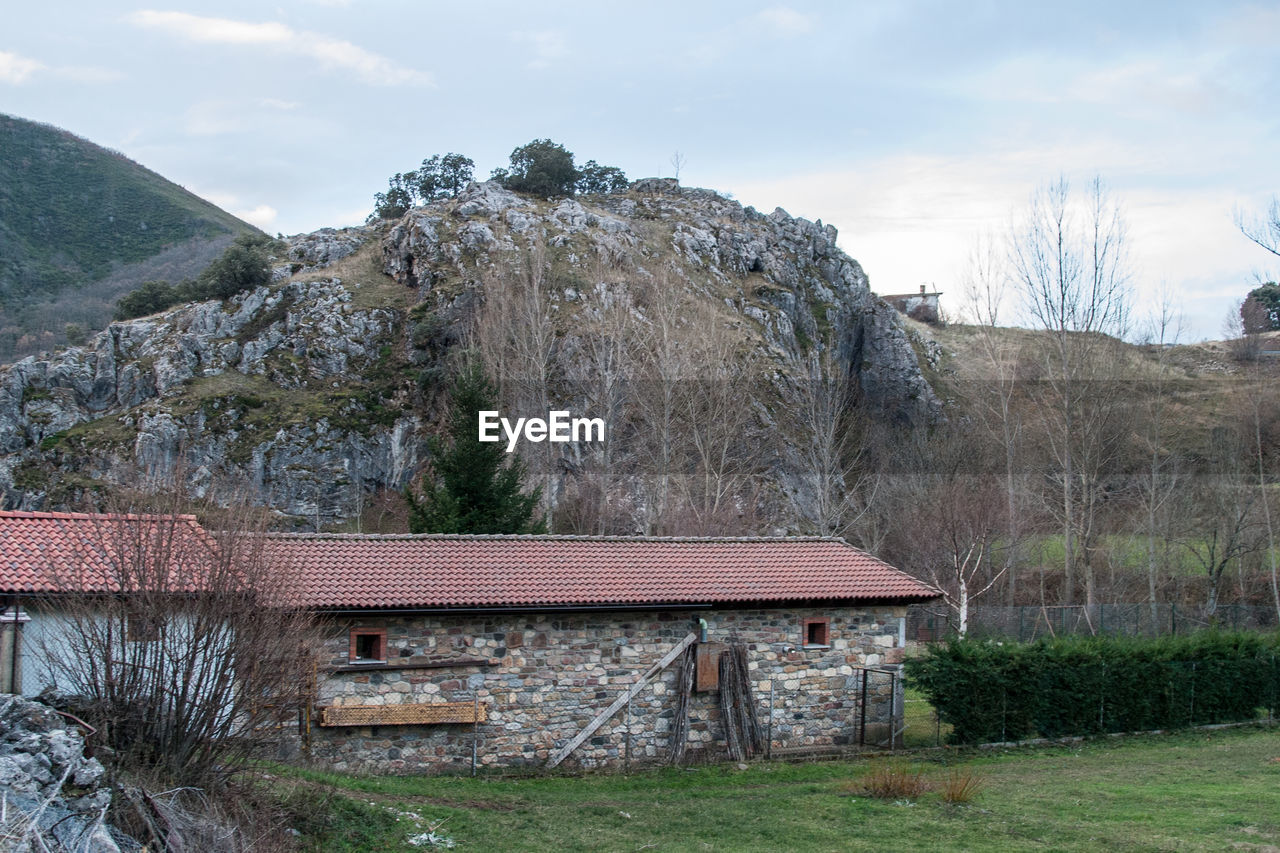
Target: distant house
441, 652
922, 306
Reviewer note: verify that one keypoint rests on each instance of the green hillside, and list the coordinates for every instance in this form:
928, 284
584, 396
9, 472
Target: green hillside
80, 224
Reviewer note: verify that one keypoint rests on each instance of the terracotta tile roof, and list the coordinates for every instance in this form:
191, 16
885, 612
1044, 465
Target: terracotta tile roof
60, 552
44, 552
344, 571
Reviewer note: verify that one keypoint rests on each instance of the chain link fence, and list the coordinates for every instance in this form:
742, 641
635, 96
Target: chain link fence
1024, 624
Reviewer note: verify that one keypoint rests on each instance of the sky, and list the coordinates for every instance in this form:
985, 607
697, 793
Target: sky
913, 127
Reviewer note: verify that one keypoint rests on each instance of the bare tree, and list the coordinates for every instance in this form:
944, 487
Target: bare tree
677, 163
1068, 258
1242, 332
663, 361
516, 340
181, 641
716, 396
1220, 526
985, 284
1263, 230
837, 486
1260, 416
950, 516
1160, 481
608, 329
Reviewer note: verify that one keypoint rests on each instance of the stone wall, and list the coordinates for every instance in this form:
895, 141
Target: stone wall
543, 677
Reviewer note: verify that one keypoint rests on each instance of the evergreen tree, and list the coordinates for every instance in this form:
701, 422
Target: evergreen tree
475, 489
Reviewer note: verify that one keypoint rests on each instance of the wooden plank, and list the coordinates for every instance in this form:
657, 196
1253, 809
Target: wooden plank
708, 667
666, 661
404, 715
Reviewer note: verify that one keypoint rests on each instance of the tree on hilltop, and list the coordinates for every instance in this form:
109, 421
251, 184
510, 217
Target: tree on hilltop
1260, 311
542, 168
438, 177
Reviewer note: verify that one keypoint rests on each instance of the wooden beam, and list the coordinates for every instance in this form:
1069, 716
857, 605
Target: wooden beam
666, 661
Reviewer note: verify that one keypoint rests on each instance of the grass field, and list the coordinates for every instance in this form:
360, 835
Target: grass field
1215, 790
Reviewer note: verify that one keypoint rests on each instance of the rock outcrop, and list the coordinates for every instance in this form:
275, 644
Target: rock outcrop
313, 393
50, 789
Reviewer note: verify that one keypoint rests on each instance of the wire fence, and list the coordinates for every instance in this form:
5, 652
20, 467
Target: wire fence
839, 713
1024, 624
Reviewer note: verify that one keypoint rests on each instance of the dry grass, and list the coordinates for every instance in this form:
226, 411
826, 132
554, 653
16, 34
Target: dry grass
892, 781
961, 785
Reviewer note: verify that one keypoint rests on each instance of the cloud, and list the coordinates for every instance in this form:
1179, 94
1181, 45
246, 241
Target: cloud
262, 216
548, 46
913, 219
218, 117
16, 69
784, 20
329, 52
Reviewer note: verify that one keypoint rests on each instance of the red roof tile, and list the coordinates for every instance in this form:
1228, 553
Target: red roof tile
44, 552
59, 552
343, 571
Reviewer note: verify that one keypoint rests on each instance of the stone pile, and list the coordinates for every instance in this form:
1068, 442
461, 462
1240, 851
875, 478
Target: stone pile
49, 789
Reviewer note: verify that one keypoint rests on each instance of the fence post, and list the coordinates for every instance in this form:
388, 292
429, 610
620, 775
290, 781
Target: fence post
475, 732
862, 726
1004, 714
1102, 698
768, 746
1191, 721
893, 710
626, 759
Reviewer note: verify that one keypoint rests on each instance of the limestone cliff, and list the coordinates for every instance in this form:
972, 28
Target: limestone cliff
316, 392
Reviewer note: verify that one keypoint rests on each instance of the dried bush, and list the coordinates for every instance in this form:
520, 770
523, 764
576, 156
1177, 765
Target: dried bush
961, 785
893, 781
178, 641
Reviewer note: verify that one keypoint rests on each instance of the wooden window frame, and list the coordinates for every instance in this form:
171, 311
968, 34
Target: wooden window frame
356, 633
823, 624
143, 627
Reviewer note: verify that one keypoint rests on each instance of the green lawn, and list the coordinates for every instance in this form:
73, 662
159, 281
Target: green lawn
1192, 791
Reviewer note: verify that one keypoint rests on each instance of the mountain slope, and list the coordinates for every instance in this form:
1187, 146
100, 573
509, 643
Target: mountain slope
688, 323
77, 217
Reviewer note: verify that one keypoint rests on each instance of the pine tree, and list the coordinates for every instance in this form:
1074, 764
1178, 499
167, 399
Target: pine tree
474, 489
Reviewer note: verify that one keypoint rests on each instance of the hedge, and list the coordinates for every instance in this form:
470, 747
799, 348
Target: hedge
991, 691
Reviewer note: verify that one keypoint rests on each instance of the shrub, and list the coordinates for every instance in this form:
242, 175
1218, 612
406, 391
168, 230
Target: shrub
991, 691
960, 786
541, 167
245, 264
148, 298
893, 781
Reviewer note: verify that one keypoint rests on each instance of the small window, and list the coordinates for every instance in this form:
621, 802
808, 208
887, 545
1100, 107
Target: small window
368, 645
817, 633
143, 628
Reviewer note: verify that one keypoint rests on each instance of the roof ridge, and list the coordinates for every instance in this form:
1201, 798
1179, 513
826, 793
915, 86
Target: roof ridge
97, 516
548, 537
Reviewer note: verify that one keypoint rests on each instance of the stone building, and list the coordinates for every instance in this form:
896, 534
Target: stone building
922, 306
444, 651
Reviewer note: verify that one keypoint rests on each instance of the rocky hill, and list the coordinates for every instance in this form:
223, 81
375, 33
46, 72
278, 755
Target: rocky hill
80, 225
686, 321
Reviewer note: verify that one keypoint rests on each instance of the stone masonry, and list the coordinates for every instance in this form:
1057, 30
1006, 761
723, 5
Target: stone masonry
542, 677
